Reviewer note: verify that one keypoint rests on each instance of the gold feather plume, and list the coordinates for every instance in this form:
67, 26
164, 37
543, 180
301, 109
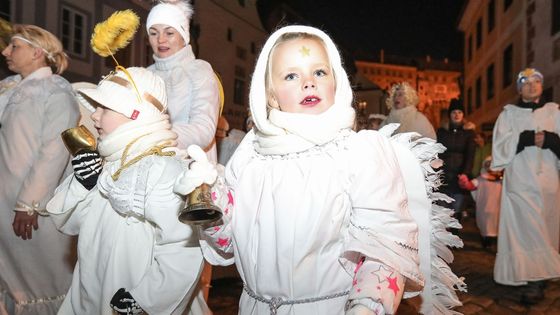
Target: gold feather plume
5, 33
114, 33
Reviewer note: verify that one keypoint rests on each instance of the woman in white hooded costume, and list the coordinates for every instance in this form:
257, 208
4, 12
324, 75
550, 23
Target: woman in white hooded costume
192, 86
36, 105
316, 216
133, 253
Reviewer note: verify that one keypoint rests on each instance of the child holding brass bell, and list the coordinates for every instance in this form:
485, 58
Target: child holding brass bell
320, 219
134, 256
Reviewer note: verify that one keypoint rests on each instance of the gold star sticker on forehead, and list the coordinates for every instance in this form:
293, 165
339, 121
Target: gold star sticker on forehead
304, 51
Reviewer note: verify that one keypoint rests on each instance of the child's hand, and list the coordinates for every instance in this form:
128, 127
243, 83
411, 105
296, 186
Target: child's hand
200, 171
465, 182
87, 167
123, 303
373, 308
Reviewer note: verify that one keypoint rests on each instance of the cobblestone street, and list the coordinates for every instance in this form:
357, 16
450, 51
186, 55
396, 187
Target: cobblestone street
485, 297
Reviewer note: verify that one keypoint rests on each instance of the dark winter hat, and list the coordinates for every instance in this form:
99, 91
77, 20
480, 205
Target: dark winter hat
456, 104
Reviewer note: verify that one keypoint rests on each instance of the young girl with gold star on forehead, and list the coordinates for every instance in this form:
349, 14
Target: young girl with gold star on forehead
316, 216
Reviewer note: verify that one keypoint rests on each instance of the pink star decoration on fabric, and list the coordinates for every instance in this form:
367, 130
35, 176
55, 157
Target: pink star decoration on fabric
393, 284
226, 210
354, 282
216, 228
222, 242
382, 273
214, 197
230, 198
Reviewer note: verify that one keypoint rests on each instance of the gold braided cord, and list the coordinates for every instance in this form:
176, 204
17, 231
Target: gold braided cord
156, 150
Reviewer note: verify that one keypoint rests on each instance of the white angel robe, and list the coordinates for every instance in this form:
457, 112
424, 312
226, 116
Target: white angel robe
300, 221
487, 198
35, 273
141, 247
530, 210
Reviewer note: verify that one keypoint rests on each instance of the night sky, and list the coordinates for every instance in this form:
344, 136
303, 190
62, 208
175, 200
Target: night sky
408, 28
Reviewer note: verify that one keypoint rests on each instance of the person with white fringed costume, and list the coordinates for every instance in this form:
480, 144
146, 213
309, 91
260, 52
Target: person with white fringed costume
320, 219
134, 255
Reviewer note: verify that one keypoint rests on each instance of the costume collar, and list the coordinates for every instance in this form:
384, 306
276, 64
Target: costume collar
168, 63
531, 105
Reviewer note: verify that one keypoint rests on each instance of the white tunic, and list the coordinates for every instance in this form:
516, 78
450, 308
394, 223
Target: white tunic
35, 273
411, 120
300, 220
487, 198
193, 98
530, 209
142, 247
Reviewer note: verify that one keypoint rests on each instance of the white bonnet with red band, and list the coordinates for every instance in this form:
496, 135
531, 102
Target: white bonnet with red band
138, 95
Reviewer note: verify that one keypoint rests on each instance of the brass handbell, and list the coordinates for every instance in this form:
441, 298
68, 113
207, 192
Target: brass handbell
77, 139
200, 209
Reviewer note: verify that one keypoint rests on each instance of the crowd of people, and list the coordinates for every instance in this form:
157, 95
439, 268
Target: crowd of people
317, 217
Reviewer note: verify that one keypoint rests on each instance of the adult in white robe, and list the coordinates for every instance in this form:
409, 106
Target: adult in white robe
530, 204
35, 107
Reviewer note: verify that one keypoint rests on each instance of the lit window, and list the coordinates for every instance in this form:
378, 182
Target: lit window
6, 10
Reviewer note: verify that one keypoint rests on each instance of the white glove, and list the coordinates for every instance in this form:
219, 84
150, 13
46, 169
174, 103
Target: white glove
200, 171
372, 308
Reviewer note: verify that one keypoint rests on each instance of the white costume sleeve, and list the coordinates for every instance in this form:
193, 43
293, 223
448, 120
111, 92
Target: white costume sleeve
381, 227
203, 116
504, 141
69, 205
216, 241
61, 113
177, 261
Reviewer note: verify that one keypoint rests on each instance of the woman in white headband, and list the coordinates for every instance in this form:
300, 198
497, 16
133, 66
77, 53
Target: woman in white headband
191, 84
35, 107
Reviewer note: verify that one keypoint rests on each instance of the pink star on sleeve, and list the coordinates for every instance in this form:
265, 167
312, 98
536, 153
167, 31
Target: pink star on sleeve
214, 197
223, 242
393, 284
230, 198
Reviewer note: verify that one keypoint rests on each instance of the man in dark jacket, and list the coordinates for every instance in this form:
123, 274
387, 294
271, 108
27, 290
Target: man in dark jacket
459, 156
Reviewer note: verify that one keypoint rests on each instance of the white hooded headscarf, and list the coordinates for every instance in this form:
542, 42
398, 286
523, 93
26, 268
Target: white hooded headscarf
282, 132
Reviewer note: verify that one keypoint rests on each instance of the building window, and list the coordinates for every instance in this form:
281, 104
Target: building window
490, 82
6, 10
469, 100
469, 48
239, 86
491, 15
229, 34
507, 74
478, 93
74, 39
479, 33
556, 50
555, 17
241, 53
507, 4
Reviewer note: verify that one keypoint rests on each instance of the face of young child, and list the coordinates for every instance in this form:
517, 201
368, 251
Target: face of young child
107, 120
531, 90
165, 40
302, 80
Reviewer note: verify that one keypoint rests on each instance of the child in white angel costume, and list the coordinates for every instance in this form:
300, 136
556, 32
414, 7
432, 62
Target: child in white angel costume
134, 256
319, 218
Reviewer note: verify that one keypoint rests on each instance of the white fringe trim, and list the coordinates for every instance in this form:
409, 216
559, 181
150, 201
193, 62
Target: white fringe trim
444, 281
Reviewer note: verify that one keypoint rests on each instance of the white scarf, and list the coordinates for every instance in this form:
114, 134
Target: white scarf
282, 132
153, 131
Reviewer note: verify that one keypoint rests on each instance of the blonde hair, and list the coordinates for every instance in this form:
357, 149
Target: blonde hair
410, 94
282, 39
45, 40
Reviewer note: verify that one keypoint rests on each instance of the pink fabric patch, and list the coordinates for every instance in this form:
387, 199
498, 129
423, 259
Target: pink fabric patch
230, 198
223, 242
214, 197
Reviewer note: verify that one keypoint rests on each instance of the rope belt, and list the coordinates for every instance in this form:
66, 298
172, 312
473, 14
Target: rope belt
275, 302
